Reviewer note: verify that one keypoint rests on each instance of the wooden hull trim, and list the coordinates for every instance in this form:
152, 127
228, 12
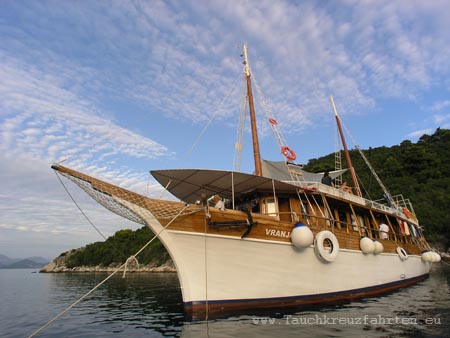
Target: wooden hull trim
268, 241
196, 310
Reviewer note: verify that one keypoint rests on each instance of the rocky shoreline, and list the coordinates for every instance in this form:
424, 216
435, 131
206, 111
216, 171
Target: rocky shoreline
81, 269
58, 265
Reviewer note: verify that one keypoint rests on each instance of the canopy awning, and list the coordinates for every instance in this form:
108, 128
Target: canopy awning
189, 184
283, 171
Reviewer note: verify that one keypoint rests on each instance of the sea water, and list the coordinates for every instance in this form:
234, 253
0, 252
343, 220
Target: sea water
150, 305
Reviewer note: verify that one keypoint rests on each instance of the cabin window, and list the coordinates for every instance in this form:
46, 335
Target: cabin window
328, 216
270, 206
354, 222
305, 210
362, 224
255, 207
367, 225
342, 218
373, 227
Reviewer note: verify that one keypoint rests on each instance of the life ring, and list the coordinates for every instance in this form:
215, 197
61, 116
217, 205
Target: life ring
326, 254
288, 153
402, 253
273, 121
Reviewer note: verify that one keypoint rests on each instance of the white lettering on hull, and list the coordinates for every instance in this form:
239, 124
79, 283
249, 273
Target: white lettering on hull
278, 233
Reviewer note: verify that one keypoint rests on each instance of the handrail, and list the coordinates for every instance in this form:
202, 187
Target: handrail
277, 214
401, 238
375, 204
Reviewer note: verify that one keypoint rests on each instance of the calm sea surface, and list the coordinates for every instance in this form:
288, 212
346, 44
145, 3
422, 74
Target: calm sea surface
149, 305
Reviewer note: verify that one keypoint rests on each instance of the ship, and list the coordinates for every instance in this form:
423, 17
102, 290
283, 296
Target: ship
280, 237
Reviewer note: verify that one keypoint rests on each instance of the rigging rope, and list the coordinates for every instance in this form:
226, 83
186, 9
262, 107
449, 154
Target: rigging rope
86, 216
282, 143
369, 165
106, 279
210, 121
281, 140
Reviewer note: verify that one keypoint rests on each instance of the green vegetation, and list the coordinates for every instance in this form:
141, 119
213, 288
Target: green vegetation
420, 171
117, 248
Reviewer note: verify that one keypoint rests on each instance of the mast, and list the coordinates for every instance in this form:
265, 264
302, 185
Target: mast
256, 153
347, 154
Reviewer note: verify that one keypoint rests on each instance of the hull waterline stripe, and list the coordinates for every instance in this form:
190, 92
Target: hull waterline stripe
338, 294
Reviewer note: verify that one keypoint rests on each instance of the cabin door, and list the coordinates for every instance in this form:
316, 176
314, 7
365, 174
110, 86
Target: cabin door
284, 208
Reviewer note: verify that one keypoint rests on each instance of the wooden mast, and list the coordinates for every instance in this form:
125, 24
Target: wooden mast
256, 153
347, 154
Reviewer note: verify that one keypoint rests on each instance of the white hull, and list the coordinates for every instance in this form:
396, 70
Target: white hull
218, 269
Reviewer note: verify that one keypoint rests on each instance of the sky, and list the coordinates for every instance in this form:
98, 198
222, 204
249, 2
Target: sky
118, 88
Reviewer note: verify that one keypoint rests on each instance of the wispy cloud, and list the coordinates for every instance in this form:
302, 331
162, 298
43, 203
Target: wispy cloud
418, 133
43, 119
440, 106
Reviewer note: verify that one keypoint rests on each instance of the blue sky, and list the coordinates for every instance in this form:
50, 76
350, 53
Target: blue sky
123, 87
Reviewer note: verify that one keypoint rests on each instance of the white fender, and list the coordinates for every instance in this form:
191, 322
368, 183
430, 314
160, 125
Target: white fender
427, 256
436, 257
367, 245
301, 236
327, 253
379, 247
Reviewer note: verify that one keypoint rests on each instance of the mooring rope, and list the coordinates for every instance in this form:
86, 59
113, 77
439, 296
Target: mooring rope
128, 261
446, 263
103, 281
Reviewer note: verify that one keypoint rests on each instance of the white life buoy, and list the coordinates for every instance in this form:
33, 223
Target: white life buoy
326, 246
402, 253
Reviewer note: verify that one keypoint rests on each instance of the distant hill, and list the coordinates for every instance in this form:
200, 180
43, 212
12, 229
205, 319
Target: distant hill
101, 256
25, 264
5, 260
420, 171
19, 263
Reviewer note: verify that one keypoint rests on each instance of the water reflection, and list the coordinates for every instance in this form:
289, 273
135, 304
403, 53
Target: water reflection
420, 311
144, 304
150, 305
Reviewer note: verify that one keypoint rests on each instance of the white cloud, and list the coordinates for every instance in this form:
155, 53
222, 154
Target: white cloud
418, 133
45, 120
440, 119
440, 105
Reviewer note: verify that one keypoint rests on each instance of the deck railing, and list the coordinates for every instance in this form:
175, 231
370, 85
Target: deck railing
379, 205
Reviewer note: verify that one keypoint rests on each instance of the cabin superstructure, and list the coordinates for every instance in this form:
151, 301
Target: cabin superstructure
317, 205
